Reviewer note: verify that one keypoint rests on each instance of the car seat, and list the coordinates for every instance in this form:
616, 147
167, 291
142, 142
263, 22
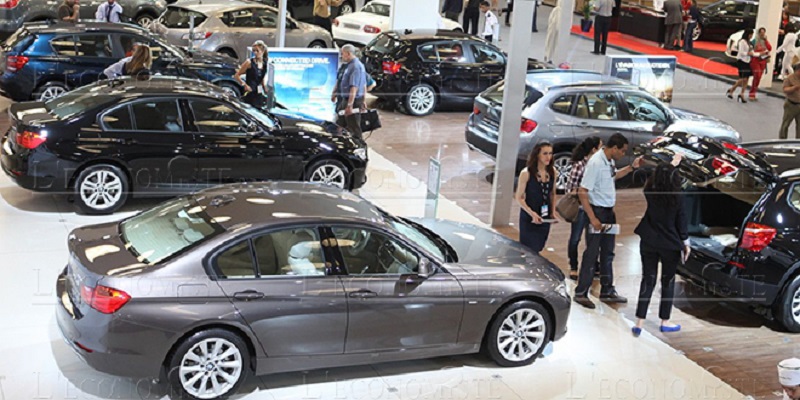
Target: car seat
300, 255
600, 110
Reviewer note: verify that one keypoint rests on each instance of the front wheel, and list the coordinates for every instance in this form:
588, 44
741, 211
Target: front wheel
50, 91
329, 172
346, 8
210, 364
519, 334
101, 189
788, 310
145, 20
420, 100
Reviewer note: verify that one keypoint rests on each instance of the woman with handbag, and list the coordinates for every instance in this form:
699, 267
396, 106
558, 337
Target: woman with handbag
580, 155
536, 195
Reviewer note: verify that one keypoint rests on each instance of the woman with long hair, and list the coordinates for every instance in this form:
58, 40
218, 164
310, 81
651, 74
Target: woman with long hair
255, 71
580, 155
664, 238
758, 64
140, 63
536, 195
745, 53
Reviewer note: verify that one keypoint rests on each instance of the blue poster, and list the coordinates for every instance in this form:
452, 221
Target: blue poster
304, 80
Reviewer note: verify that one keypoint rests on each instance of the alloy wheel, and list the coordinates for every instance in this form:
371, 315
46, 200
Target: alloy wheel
697, 32
563, 166
796, 306
329, 174
421, 100
210, 368
521, 335
345, 9
51, 93
145, 21
101, 189
230, 91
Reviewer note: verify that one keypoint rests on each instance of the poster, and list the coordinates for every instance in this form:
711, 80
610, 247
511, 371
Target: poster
656, 74
304, 80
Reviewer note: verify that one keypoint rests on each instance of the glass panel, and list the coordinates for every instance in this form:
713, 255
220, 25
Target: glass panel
157, 115
241, 19
450, 52
266, 18
119, 119
236, 262
563, 104
367, 252
93, 46
64, 45
486, 55
644, 110
428, 53
180, 18
213, 117
377, 8
601, 106
290, 252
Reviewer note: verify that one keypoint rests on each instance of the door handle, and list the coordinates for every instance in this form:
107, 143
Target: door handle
583, 124
362, 294
248, 295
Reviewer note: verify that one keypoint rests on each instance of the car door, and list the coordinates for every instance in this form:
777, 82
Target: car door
150, 136
647, 117
279, 283
390, 307
452, 70
597, 113
232, 146
83, 57
245, 26
492, 65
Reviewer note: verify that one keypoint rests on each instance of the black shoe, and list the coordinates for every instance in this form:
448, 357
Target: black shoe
595, 52
573, 274
584, 301
613, 297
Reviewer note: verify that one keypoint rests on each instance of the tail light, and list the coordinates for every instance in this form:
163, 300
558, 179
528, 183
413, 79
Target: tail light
31, 140
104, 299
8, 3
15, 63
476, 110
739, 150
527, 125
371, 29
336, 22
757, 237
391, 67
723, 167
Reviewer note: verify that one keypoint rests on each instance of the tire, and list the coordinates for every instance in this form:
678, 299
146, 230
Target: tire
459, 30
145, 20
420, 100
514, 353
230, 88
187, 356
788, 308
50, 91
317, 44
330, 172
101, 189
698, 31
563, 165
228, 52
346, 8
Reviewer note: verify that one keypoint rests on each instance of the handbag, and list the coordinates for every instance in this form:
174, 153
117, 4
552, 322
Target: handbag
370, 120
568, 207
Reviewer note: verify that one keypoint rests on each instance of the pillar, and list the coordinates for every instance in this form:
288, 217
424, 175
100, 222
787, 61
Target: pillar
769, 16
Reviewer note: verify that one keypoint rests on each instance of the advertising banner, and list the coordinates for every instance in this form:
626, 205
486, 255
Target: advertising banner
656, 74
304, 80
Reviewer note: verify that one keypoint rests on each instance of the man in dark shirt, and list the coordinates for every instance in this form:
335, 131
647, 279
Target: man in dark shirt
452, 8
472, 12
68, 11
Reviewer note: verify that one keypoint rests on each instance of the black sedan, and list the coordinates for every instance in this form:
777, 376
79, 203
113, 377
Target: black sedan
261, 278
108, 140
743, 207
423, 70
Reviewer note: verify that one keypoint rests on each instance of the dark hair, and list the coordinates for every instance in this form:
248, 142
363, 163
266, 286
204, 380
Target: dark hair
617, 140
486, 3
533, 159
584, 148
748, 34
664, 185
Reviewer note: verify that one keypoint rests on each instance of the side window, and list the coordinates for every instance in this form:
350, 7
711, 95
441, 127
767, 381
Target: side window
290, 252
127, 43
643, 109
244, 18
64, 45
118, 119
236, 262
93, 46
428, 53
368, 252
157, 115
733, 8
450, 52
602, 106
213, 117
563, 104
486, 55
794, 197
266, 18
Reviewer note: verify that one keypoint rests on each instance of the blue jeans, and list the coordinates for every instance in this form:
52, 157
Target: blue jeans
688, 43
576, 230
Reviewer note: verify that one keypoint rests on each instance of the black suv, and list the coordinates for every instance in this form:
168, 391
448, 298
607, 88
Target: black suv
423, 69
743, 207
44, 60
167, 135
303, 10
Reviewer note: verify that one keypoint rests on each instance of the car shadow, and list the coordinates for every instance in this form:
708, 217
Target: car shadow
29, 201
695, 301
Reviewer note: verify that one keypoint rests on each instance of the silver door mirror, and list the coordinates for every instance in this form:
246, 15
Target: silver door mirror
424, 269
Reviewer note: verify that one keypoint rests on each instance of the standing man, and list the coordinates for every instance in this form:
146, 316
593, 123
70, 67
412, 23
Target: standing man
322, 13
673, 23
109, 12
490, 22
598, 197
472, 12
69, 11
452, 9
349, 91
789, 376
791, 107
602, 23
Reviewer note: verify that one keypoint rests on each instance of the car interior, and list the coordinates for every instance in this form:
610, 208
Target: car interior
596, 106
288, 252
369, 253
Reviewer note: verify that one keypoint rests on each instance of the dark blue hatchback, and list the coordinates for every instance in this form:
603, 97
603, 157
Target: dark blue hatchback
42, 61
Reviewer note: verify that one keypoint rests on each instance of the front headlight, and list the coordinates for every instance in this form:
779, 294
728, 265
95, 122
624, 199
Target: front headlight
561, 289
361, 153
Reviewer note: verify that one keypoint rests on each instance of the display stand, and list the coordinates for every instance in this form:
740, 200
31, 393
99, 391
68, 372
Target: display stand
434, 184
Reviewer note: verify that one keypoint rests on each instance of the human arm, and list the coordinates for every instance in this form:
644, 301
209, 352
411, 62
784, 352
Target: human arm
553, 197
116, 69
788, 88
519, 196
238, 76
623, 172
682, 227
100, 14
590, 178
583, 196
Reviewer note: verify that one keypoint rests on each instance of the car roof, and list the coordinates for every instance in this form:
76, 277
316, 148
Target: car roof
272, 203
84, 26
549, 79
424, 35
218, 6
154, 86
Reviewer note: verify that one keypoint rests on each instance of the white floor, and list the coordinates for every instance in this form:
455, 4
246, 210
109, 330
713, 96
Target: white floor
598, 359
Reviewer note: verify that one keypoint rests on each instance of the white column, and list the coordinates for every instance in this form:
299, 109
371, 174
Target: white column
414, 14
565, 31
769, 16
508, 140
280, 40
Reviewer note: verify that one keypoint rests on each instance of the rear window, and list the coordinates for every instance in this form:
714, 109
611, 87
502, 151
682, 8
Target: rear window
77, 101
167, 229
19, 41
495, 94
374, 8
384, 44
180, 18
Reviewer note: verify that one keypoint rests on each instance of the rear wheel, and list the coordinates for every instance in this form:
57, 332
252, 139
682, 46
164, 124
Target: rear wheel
788, 310
329, 172
50, 91
563, 165
346, 8
101, 189
519, 334
145, 20
228, 52
317, 44
420, 100
210, 364
698, 31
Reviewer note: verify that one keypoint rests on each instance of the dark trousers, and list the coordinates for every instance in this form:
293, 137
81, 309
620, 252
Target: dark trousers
323, 22
535, 8
671, 35
601, 244
601, 26
488, 38
508, 12
453, 16
688, 42
471, 20
577, 228
669, 259
351, 122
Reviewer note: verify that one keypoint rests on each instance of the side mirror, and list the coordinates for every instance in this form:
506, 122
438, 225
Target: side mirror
424, 269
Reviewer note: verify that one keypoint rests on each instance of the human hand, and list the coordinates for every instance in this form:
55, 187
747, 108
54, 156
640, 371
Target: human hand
596, 224
348, 110
247, 88
676, 159
686, 251
536, 219
333, 98
637, 162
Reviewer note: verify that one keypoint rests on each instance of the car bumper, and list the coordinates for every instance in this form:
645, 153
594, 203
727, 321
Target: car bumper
38, 172
356, 37
479, 141
723, 280
14, 88
358, 177
389, 87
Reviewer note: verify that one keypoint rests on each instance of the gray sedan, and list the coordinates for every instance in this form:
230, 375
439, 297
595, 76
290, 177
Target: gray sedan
230, 26
271, 277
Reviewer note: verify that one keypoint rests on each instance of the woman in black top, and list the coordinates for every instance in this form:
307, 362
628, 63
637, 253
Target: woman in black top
255, 70
536, 196
664, 238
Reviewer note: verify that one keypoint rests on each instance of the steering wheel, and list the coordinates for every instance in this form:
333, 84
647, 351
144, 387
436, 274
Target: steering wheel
642, 114
386, 255
360, 238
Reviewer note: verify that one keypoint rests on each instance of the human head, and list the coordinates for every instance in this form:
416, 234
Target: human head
348, 52
748, 34
70, 2
762, 32
260, 49
541, 153
666, 182
485, 6
789, 377
110, 1
141, 59
617, 146
586, 148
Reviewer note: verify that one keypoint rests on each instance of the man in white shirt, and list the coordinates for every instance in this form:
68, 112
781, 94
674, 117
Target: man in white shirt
491, 23
109, 12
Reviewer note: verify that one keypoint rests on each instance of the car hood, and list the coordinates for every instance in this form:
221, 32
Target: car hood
209, 59
486, 253
293, 121
365, 18
702, 125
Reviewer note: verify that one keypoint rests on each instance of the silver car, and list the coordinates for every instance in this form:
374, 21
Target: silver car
14, 13
564, 107
229, 27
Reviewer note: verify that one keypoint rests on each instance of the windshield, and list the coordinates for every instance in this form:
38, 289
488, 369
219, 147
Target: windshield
167, 229
383, 44
264, 119
77, 101
495, 94
181, 18
418, 235
374, 8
